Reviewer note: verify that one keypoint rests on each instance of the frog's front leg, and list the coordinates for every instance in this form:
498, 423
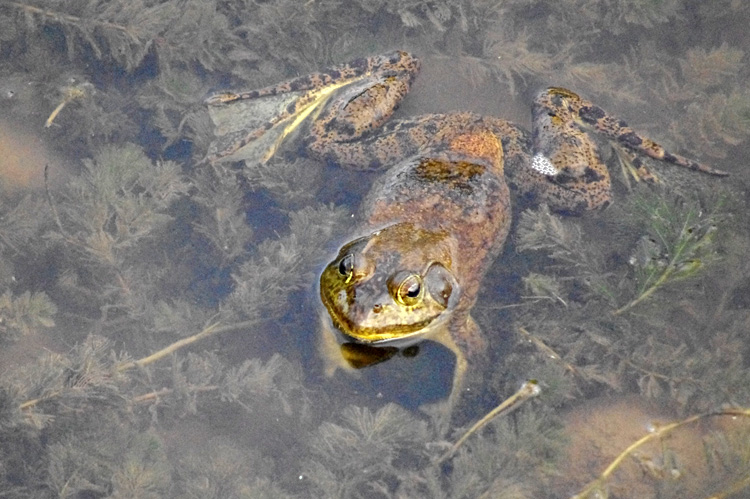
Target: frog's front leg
566, 158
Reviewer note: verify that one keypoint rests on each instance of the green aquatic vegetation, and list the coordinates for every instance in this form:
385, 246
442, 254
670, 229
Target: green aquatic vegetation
415, 13
292, 183
390, 452
21, 315
366, 451
105, 217
576, 315
220, 468
139, 468
221, 220
144, 470
174, 100
672, 353
511, 58
281, 266
63, 384
541, 287
715, 123
110, 31
542, 230
563, 241
121, 464
19, 227
273, 387
618, 15
120, 199
679, 242
77, 400
516, 452
122, 32
527, 391
703, 69
728, 458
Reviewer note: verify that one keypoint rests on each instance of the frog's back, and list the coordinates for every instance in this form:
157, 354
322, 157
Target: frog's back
457, 189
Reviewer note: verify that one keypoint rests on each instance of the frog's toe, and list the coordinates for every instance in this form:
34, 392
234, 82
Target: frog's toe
633, 166
646, 175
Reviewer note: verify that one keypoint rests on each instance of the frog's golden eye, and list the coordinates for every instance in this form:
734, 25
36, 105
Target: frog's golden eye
346, 267
408, 290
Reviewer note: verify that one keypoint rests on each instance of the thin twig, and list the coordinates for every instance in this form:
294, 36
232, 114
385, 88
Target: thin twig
528, 390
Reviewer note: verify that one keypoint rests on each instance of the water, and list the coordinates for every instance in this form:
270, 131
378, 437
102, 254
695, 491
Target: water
132, 245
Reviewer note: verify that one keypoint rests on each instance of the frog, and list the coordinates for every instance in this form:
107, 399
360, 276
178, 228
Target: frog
438, 215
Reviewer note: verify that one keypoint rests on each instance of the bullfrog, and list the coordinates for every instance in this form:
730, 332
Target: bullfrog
439, 214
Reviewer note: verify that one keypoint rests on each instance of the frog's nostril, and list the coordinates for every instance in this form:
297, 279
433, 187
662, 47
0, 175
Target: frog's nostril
377, 308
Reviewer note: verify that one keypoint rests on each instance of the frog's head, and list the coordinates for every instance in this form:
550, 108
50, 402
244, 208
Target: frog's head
392, 287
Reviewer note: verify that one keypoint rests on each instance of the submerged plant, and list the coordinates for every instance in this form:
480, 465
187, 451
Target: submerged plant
679, 242
365, 451
25, 313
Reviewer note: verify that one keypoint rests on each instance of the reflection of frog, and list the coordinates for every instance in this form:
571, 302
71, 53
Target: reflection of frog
433, 223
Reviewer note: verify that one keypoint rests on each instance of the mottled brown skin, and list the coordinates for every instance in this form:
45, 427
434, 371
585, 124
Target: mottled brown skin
450, 211
455, 200
439, 215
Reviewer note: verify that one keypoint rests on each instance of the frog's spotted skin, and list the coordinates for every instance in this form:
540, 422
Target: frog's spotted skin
436, 219
559, 140
392, 73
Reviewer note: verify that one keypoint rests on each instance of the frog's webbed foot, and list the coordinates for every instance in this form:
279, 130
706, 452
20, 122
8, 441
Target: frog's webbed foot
254, 124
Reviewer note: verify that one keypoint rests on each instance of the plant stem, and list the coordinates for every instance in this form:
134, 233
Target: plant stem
207, 332
648, 292
528, 390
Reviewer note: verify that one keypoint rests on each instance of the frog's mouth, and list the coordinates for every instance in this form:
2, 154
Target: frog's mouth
397, 335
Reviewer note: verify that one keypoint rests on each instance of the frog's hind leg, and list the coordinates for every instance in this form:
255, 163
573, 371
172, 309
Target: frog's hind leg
240, 131
566, 165
392, 62
342, 133
617, 131
557, 164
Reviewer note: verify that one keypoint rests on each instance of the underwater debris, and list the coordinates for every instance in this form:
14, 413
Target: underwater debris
73, 92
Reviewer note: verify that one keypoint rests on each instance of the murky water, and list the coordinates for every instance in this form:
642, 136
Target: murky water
160, 315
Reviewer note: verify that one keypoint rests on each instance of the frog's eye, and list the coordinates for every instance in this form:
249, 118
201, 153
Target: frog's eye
407, 291
441, 285
346, 267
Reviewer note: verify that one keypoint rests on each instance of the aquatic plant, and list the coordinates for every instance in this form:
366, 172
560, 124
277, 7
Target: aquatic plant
678, 244
24, 314
365, 452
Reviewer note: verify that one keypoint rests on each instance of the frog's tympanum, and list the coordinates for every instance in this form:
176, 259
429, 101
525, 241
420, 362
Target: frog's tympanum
439, 215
